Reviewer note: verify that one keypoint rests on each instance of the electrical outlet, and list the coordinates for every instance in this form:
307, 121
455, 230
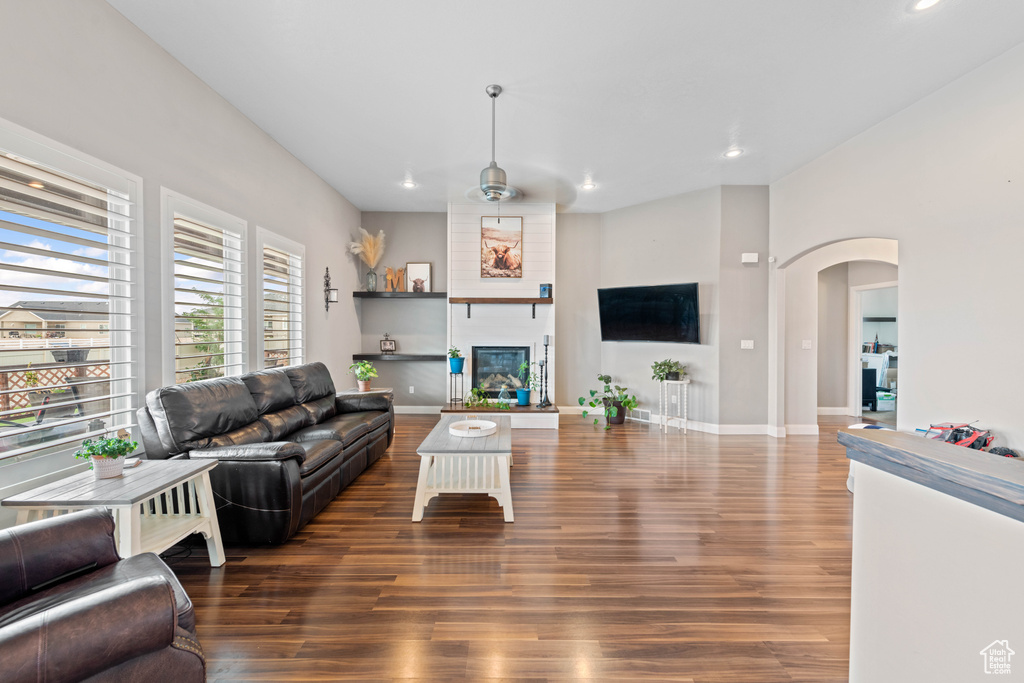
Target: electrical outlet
412, 389
746, 344
675, 399
806, 345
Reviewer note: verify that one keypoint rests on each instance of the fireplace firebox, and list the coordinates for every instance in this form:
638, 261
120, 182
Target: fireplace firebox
494, 366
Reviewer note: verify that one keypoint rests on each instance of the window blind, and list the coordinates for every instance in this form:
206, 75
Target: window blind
282, 307
67, 255
209, 300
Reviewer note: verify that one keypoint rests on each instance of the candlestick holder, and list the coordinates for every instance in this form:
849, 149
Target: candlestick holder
544, 400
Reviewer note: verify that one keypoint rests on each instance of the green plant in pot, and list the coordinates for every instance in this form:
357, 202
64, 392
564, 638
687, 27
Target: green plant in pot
456, 361
614, 399
478, 398
364, 372
106, 455
668, 369
528, 376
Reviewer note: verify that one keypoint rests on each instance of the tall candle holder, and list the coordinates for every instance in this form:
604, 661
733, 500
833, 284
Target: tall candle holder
544, 400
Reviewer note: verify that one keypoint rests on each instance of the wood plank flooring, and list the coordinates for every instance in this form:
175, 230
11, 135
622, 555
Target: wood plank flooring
634, 556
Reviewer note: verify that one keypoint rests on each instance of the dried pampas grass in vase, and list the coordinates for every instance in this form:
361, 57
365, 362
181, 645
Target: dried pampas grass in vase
370, 249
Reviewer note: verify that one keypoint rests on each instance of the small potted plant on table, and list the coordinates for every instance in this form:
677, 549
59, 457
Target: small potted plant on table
529, 379
668, 369
106, 455
364, 372
455, 360
615, 400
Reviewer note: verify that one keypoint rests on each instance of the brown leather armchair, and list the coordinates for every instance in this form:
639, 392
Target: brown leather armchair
72, 610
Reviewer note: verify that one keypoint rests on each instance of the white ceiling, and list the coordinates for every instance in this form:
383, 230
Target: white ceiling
644, 96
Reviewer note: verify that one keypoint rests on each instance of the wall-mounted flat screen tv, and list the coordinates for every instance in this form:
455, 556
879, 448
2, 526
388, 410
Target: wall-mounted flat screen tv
665, 313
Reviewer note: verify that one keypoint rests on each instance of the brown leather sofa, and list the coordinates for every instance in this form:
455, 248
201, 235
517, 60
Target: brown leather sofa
72, 610
286, 441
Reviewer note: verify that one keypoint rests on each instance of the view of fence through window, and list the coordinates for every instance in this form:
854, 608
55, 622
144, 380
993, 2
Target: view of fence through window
66, 277
208, 300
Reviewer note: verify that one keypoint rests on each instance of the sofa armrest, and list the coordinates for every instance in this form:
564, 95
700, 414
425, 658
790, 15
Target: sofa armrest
87, 635
33, 556
254, 452
355, 402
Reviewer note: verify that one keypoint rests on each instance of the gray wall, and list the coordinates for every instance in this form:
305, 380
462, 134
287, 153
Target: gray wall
833, 335
743, 306
418, 326
577, 342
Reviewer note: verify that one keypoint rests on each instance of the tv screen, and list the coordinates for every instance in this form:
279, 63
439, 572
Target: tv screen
666, 313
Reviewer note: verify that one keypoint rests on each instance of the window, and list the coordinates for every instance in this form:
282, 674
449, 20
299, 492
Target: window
207, 290
283, 338
68, 253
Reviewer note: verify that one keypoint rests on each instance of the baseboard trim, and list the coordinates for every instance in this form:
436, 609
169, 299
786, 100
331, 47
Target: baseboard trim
838, 410
777, 432
802, 430
418, 410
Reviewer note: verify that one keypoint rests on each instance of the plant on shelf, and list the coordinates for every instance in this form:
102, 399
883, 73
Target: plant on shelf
529, 379
364, 372
370, 249
455, 360
106, 455
668, 369
478, 398
613, 398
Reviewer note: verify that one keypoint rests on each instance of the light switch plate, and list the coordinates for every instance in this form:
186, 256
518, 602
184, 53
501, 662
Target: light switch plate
806, 345
746, 344
749, 257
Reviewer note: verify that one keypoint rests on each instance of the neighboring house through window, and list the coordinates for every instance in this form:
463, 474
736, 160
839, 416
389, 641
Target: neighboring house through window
282, 300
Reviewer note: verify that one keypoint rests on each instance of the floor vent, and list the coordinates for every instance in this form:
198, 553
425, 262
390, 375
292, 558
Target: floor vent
641, 415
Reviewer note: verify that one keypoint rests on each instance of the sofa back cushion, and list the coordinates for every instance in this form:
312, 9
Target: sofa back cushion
190, 412
270, 389
321, 409
310, 381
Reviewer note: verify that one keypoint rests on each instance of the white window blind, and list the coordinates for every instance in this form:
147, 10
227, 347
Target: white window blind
283, 339
68, 252
209, 300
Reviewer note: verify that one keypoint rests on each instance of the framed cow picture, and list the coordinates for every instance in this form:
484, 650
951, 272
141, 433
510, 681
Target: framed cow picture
417, 277
501, 246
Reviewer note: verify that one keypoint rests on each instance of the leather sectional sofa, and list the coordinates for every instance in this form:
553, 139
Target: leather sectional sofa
72, 610
286, 443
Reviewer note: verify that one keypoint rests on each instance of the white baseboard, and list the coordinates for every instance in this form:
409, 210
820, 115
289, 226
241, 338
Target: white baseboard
418, 410
802, 430
838, 410
777, 432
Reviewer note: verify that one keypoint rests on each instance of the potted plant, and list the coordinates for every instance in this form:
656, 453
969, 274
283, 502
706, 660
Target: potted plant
106, 455
456, 361
668, 369
615, 400
529, 378
364, 372
478, 399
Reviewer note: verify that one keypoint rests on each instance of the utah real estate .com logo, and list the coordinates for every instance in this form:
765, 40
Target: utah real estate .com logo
997, 657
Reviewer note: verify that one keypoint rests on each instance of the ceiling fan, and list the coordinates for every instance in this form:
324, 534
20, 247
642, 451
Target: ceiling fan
493, 181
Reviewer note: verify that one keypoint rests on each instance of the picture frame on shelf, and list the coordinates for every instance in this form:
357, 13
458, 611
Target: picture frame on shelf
387, 344
418, 277
501, 246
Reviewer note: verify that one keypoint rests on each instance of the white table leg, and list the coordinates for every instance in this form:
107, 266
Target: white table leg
686, 406
506, 488
128, 522
421, 489
210, 528
23, 516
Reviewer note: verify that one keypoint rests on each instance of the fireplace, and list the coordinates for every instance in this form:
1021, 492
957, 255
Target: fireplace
497, 365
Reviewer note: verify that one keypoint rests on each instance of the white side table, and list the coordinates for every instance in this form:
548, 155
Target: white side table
676, 387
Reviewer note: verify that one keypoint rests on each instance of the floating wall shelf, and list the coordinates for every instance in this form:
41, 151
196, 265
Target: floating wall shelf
470, 300
399, 356
399, 295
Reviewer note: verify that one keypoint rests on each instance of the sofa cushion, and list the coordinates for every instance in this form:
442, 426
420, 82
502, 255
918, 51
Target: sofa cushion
344, 428
320, 409
271, 390
189, 412
318, 453
254, 432
373, 418
137, 566
310, 381
282, 423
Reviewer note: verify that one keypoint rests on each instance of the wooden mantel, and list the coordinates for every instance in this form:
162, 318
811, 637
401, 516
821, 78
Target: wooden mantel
470, 300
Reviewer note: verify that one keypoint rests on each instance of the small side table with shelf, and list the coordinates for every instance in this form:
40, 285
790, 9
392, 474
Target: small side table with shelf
680, 389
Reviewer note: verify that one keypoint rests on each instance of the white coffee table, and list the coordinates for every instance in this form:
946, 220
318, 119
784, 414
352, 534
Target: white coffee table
453, 464
155, 505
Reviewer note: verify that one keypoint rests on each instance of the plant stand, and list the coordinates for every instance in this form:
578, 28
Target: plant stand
677, 387
456, 388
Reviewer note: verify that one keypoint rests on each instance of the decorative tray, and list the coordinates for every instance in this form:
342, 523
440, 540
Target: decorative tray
472, 428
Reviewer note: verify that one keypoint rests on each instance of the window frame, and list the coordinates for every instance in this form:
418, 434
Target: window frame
269, 238
23, 474
171, 204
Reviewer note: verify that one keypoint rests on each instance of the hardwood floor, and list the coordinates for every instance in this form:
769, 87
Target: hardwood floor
634, 556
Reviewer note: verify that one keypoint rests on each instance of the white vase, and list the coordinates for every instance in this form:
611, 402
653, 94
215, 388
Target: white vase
107, 468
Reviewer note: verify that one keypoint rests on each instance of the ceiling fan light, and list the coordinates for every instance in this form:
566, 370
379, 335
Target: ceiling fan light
493, 182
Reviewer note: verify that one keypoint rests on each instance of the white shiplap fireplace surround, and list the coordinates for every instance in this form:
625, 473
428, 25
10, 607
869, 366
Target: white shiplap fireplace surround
503, 324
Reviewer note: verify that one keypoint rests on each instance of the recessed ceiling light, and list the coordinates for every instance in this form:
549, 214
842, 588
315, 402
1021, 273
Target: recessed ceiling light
408, 184
589, 185
733, 153
36, 184
921, 5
